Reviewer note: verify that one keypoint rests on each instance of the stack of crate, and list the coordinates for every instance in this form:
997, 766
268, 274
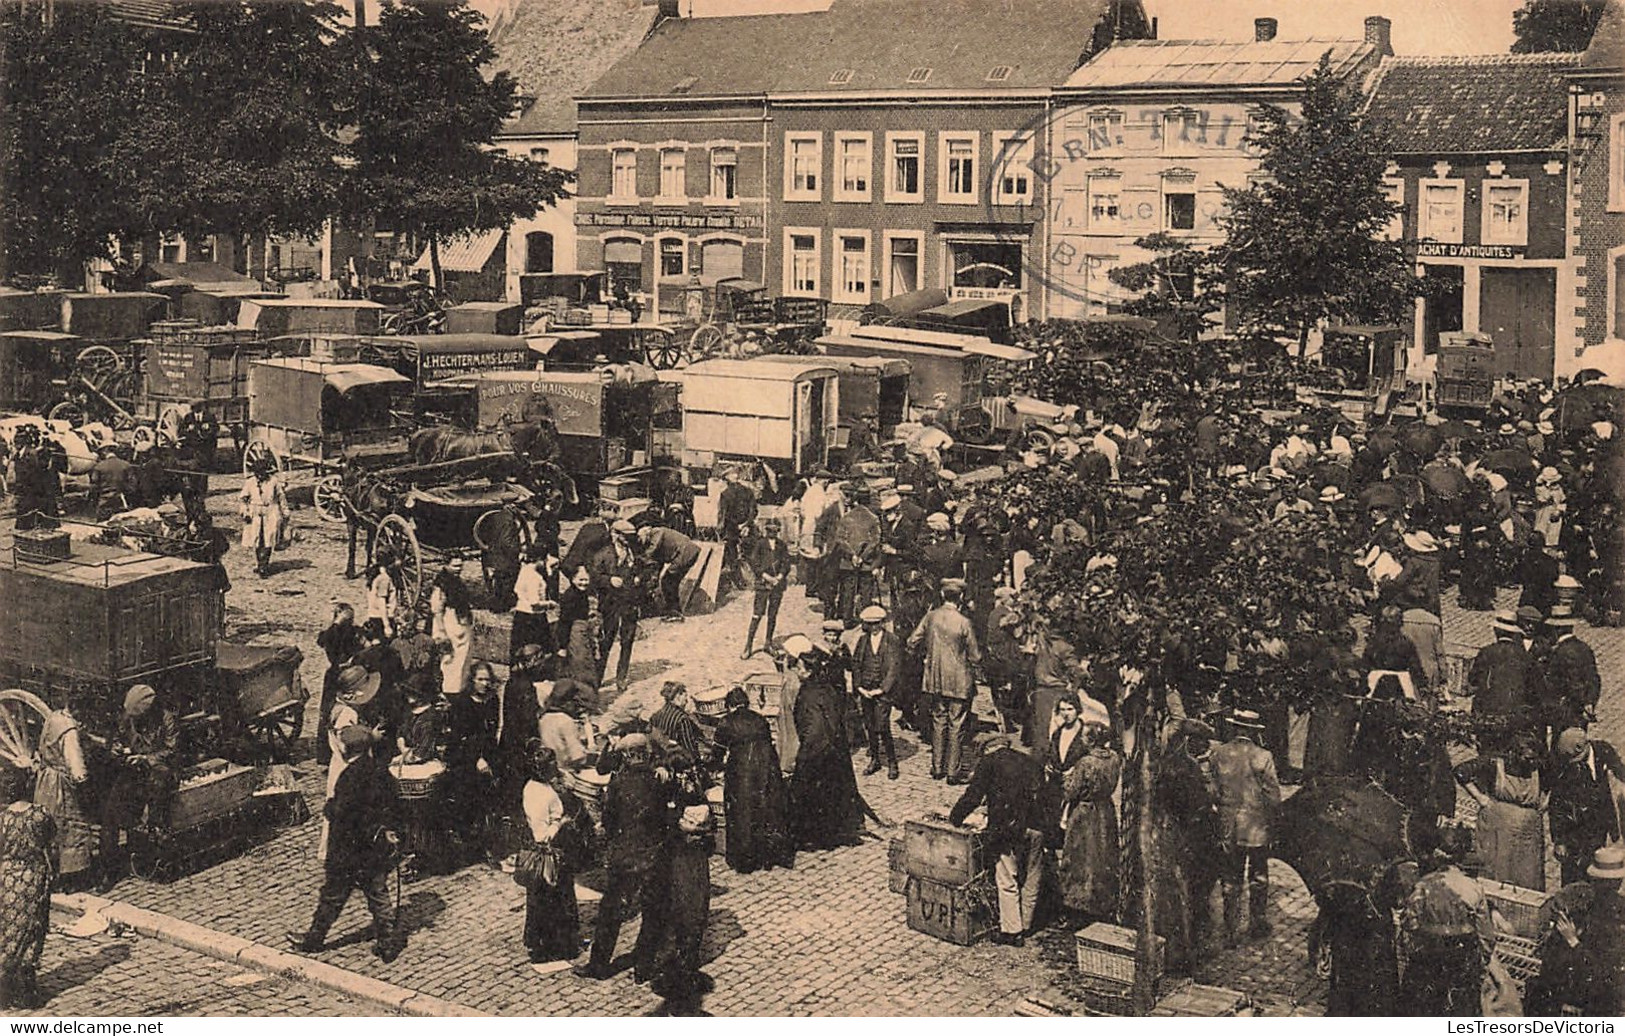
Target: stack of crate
1107, 965
950, 895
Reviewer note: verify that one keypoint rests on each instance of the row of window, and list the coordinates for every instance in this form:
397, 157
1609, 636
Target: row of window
969, 262
723, 185
1441, 207
960, 175
1177, 131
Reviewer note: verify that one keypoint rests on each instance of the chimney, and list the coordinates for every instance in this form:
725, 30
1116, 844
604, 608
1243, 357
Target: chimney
1379, 33
1264, 29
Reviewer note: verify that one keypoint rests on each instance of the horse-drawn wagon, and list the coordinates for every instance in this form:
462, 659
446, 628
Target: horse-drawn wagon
65, 376
280, 316
317, 414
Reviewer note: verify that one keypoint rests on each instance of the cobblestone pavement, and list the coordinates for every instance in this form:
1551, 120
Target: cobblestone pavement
824, 939
114, 975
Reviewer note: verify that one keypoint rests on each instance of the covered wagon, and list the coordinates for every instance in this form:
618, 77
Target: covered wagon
273, 317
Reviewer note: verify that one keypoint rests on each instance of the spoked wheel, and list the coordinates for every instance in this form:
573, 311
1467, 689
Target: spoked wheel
328, 495
396, 537
278, 731
975, 426
68, 410
256, 451
664, 351
98, 365
706, 339
486, 528
169, 425
146, 437
22, 717
1039, 440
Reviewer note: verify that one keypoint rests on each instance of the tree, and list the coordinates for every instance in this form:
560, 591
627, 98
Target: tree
68, 97
1305, 244
425, 120
1181, 287
1555, 25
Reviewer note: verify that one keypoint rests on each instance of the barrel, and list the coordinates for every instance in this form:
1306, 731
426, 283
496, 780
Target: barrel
710, 705
714, 797
588, 786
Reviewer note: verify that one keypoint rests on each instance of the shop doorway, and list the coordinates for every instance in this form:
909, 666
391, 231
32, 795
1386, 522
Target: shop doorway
1518, 310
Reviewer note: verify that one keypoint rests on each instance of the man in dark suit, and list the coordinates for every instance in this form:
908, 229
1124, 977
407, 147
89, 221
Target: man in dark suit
876, 658
1584, 776
1571, 682
637, 824
618, 578
1008, 779
1502, 678
361, 847
898, 540
736, 511
768, 556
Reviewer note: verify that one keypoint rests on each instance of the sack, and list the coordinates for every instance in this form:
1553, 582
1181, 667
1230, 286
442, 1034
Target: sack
534, 866
1498, 995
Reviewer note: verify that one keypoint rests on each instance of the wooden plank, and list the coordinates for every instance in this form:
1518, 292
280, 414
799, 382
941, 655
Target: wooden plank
702, 586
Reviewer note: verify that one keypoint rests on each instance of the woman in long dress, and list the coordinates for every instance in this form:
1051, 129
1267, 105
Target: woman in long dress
452, 614
1511, 835
1088, 871
552, 924
62, 773
824, 790
28, 866
578, 629
754, 801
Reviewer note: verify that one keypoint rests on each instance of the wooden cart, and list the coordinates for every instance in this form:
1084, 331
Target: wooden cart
427, 359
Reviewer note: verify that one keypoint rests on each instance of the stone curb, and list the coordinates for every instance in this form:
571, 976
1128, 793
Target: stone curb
221, 946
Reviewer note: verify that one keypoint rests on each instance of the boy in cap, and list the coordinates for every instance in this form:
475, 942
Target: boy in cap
769, 559
875, 661
144, 782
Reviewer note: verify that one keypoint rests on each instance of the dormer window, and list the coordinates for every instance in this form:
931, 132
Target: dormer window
999, 74
919, 75
840, 77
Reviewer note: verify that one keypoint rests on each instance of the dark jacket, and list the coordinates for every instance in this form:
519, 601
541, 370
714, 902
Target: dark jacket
736, 507
873, 669
636, 820
1581, 808
769, 558
363, 806
1572, 683
1008, 781
617, 600
1502, 679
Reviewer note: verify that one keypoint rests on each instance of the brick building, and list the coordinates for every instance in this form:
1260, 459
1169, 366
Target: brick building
846, 154
1147, 133
1480, 162
1595, 220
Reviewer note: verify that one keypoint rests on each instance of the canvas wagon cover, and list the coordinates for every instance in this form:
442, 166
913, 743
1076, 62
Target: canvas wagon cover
111, 316
287, 392
273, 317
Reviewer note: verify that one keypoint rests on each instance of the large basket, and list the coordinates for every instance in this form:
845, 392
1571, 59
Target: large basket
418, 780
1106, 953
1518, 906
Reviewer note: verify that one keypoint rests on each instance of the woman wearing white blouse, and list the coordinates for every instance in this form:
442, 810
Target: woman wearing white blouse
453, 624
552, 925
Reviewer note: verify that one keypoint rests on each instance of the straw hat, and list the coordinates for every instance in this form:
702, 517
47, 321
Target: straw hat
1607, 863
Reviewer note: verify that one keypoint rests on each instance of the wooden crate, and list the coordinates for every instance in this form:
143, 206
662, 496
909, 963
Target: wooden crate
220, 789
1520, 907
939, 852
896, 873
960, 914
1521, 957
1106, 952
1194, 1001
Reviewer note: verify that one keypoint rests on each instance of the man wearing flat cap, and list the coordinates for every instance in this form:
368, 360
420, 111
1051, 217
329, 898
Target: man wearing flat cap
636, 827
947, 643
144, 780
875, 660
363, 846
619, 579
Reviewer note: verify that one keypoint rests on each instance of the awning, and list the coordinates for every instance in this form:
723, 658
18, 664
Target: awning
983, 347
912, 302
961, 308
464, 255
343, 379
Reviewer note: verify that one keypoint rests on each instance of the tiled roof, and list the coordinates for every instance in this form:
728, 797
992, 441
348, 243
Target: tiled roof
150, 14
1497, 102
1607, 48
1158, 63
558, 48
864, 46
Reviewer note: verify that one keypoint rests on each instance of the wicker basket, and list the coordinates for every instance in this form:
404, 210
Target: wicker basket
1521, 957
1106, 953
1518, 906
1104, 997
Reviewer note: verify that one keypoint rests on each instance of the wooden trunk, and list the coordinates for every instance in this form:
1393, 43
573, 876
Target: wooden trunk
215, 789
942, 853
960, 914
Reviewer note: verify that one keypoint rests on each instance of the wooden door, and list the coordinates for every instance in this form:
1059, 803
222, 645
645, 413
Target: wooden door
1518, 310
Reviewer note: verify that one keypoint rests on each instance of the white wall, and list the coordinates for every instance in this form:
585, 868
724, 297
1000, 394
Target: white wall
558, 220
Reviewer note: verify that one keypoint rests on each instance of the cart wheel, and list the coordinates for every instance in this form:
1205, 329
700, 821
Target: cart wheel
395, 536
279, 731
169, 425
22, 716
145, 436
98, 365
254, 451
328, 495
706, 339
68, 411
663, 351
1039, 441
975, 426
